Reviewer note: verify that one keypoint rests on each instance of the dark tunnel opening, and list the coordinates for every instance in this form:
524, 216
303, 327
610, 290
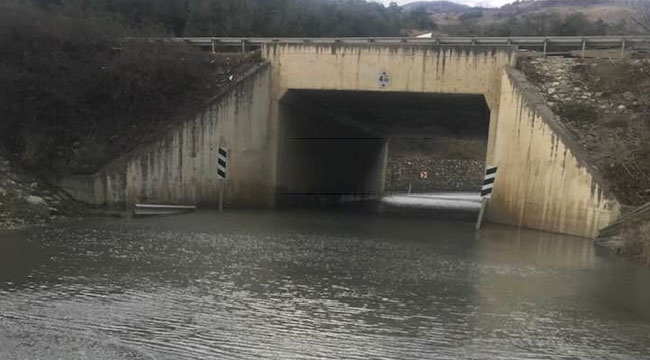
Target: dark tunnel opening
346, 146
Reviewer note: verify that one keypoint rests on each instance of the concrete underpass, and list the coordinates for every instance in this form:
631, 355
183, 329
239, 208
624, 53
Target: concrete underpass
334, 145
315, 123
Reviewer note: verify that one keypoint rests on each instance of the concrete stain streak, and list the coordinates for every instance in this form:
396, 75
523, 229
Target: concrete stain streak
551, 191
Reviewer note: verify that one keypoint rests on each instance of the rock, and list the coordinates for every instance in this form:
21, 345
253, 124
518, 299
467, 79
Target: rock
555, 84
621, 107
629, 96
48, 198
33, 185
550, 91
35, 200
3, 192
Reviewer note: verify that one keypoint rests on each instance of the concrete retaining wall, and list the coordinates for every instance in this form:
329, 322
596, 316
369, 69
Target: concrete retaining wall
442, 175
545, 181
180, 166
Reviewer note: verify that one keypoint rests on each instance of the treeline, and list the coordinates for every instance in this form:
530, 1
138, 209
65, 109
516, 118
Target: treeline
315, 18
73, 95
256, 17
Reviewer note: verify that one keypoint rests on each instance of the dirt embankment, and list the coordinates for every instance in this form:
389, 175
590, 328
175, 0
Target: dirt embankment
27, 201
630, 237
605, 104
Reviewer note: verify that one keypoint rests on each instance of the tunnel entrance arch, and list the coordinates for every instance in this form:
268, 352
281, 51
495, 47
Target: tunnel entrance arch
339, 146
374, 68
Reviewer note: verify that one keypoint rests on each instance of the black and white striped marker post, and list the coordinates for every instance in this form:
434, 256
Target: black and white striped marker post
486, 191
222, 163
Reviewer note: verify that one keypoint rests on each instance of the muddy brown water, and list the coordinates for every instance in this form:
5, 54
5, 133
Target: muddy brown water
315, 285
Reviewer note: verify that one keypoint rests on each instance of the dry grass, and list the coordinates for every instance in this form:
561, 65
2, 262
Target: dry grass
612, 77
578, 113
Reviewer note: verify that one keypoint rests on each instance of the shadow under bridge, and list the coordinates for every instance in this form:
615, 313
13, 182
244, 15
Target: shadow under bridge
334, 145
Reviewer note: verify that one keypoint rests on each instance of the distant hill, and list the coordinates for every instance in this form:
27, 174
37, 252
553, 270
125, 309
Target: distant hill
608, 10
437, 7
461, 19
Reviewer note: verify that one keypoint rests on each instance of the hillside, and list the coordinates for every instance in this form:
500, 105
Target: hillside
434, 7
534, 17
610, 11
71, 103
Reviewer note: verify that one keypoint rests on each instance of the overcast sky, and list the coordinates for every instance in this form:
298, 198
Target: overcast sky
466, 2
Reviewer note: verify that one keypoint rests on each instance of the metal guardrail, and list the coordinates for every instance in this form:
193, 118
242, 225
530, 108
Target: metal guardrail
153, 209
640, 212
541, 42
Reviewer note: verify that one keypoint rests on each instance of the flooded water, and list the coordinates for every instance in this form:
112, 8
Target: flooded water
464, 202
314, 285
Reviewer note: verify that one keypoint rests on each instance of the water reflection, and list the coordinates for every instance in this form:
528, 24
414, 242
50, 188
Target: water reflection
315, 285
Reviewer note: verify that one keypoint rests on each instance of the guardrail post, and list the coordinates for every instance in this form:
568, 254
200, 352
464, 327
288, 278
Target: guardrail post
623, 49
243, 46
584, 48
545, 46
213, 45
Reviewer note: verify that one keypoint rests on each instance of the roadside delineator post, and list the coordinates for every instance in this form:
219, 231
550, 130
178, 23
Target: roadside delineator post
486, 192
222, 163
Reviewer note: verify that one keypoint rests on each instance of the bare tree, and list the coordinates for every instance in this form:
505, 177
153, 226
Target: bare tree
641, 16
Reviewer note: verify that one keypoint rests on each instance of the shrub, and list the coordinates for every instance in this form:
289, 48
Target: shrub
637, 241
578, 113
74, 94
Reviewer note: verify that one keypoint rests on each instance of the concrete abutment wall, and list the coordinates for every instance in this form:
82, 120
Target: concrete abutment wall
544, 181
180, 165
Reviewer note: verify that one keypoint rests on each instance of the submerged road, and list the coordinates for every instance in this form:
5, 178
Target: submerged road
315, 285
